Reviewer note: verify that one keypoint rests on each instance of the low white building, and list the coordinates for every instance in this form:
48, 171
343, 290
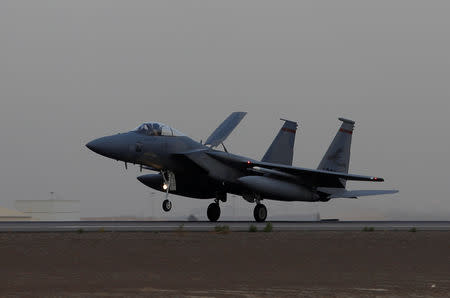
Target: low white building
50, 210
13, 215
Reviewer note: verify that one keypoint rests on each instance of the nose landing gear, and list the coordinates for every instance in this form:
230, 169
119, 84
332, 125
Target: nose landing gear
167, 205
169, 184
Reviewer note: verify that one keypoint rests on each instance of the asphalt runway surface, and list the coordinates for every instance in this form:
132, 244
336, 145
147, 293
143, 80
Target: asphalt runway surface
225, 264
167, 226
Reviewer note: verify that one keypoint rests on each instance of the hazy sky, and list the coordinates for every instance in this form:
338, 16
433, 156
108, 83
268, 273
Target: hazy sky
71, 71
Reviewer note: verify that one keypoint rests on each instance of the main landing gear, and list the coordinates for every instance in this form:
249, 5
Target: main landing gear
260, 212
214, 208
213, 211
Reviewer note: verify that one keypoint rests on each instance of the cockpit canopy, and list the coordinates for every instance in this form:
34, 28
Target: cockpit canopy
157, 129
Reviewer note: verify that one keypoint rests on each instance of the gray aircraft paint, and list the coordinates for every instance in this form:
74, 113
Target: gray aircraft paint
223, 130
202, 172
337, 157
353, 194
282, 148
272, 188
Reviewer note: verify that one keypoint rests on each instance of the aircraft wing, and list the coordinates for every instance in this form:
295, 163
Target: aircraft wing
223, 130
192, 160
308, 176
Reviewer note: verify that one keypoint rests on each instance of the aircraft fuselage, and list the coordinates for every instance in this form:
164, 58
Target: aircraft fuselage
161, 154
192, 169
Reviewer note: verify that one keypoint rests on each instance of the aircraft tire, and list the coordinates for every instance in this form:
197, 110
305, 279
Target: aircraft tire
260, 213
167, 205
213, 212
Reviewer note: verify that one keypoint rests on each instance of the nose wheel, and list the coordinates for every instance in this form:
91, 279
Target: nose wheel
260, 212
167, 185
213, 211
167, 205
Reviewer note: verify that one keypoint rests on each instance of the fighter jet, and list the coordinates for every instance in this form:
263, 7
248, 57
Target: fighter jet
199, 170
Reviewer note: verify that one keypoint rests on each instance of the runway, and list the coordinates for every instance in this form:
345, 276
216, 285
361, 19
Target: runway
303, 263
172, 226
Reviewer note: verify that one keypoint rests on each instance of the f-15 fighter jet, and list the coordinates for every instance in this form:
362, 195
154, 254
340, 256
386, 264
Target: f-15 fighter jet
198, 170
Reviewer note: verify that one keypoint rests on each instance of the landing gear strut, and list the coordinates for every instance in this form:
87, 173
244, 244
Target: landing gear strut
213, 211
169, 184
260, 212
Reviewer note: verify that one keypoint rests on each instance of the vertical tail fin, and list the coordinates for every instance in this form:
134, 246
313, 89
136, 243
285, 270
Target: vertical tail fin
337, 157
282, 149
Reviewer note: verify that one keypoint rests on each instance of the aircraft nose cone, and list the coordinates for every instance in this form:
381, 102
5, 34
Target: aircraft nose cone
97, 145
112, 146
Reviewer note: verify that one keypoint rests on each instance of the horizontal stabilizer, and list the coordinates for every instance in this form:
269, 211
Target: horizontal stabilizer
224, 130
342, 193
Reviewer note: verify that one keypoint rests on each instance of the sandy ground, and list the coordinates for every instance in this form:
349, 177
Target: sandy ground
241, 264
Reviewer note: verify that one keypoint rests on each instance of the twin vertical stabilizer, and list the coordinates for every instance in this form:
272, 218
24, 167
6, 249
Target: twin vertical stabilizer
282, 149
337, 157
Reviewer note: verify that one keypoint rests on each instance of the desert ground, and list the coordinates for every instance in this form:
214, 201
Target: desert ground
217, 264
